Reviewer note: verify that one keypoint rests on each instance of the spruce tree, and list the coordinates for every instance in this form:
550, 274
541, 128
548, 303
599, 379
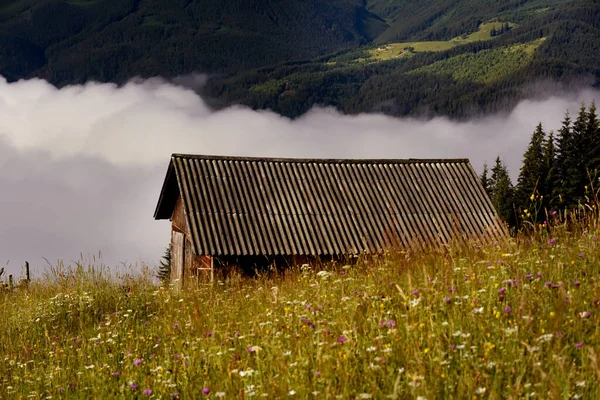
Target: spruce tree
578, 158
503, 193
563, 190
164, 270
548, 175
485, 180
531, 170
592, 141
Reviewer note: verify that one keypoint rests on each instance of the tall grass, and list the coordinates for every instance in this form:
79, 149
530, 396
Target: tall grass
515, 319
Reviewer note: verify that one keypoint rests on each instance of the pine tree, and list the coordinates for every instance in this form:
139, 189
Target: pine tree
531, 170
164, 270
503, 193
486, 182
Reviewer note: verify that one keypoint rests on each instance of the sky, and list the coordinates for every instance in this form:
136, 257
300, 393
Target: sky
81, 167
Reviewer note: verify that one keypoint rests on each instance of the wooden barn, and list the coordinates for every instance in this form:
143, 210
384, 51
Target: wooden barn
253, 212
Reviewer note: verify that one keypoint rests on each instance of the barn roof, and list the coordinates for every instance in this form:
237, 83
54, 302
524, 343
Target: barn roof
275, 206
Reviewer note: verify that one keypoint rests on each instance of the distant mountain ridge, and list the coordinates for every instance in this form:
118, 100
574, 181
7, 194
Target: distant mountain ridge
288, 55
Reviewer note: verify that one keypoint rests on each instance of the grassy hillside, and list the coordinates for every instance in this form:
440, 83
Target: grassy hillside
486, 66
485, 31
514, 319
445, 19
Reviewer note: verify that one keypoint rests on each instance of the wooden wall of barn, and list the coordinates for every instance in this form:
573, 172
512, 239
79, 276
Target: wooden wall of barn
185, 265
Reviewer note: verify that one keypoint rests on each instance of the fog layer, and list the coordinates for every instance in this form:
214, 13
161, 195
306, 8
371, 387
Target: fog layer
81, 167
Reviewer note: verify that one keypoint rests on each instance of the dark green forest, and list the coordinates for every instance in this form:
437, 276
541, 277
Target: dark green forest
289, 55
560, 171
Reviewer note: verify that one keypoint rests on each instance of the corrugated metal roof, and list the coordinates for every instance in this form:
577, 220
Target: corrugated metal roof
273, 206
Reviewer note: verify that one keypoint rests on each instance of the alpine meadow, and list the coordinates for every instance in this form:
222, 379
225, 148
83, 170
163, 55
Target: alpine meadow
363, 199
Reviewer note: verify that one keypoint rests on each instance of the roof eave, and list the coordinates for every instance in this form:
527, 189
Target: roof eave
168, 194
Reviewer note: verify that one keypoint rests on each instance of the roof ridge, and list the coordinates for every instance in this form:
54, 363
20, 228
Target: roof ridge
323, 160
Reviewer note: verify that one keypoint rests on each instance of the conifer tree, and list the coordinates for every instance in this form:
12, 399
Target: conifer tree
503, 193
548, 174
578, 158
563, 190
485, 180
531, 170
592, 141
164, 270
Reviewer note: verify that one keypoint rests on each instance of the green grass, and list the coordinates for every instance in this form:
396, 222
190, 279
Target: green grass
391, 51
406, 49
485, 66
484, 32
492, 320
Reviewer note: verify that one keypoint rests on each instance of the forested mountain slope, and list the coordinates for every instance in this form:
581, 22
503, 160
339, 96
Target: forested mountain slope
560, 46
78, 40
288, 55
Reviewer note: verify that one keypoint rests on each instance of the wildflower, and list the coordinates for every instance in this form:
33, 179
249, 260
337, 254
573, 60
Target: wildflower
478, 310
453, 347
554, 213
579, 345
220, 394
545, 338
342, 339
480, 390
551, 241
585, 314
502, 289
137, 361
364, 396
507, 309
581, 255
548, 284
116, 374
206, 391
174, 395
175, 325
147, 392
133, 386
415, 292
448, 300
580, 384
292, 392
576, 283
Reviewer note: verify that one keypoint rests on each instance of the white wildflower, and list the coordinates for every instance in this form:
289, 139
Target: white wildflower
364, 396
292, 392
480, 390
580, 384
545, 338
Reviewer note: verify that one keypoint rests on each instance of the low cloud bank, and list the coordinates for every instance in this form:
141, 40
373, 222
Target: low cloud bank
81, 167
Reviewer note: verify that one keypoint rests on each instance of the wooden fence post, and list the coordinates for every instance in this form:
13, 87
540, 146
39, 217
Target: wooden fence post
27, 277
10, 281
